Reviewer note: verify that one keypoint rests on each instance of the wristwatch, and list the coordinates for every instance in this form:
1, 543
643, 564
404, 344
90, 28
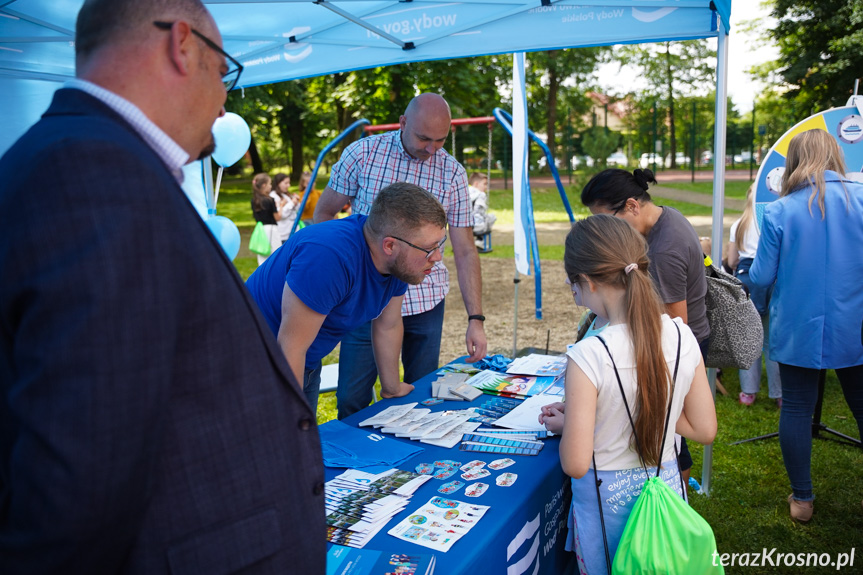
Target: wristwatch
476, 316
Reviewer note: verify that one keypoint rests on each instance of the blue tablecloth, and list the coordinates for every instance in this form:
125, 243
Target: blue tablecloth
524, 530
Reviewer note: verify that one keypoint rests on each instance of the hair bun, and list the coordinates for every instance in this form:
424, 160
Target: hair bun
644, 178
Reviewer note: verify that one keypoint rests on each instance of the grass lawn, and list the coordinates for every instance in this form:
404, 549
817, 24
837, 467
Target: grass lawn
733, 188
746, 506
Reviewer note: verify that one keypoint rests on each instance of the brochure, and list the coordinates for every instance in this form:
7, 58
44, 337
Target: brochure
439, 523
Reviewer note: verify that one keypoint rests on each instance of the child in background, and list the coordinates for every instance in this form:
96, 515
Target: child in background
741, 253
482, 220
312, 201
289, 202
634, 355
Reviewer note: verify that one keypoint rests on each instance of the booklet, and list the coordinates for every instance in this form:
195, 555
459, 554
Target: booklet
507, 385
347, 561
538, 364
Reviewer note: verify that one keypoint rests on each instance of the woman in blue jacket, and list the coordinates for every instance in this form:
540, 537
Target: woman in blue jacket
810, 245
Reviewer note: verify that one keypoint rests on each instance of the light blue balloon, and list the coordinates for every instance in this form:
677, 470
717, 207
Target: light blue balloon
232, 137
226, 233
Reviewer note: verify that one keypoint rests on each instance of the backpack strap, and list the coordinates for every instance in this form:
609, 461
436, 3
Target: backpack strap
626, 404
598, 482
635, 434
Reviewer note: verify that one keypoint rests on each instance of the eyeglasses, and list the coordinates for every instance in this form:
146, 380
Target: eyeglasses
428, 253
232, 76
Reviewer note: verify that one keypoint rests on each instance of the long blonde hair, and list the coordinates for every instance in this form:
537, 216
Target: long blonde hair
745, 218
601, 247
809, 154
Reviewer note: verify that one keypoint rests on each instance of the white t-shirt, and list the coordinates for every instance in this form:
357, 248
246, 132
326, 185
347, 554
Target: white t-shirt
288, 213
611, 436
749, 246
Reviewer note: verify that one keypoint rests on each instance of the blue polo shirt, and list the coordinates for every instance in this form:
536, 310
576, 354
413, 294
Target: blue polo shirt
329, 267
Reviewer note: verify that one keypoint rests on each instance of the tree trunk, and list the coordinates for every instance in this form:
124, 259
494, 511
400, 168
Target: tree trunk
672, 137
297, 160
257, 165
551, 103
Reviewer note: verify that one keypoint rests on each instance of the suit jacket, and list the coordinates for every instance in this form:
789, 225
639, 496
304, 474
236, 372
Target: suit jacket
817, 305
148, 421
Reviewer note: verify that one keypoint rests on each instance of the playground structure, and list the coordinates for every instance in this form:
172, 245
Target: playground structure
505, 120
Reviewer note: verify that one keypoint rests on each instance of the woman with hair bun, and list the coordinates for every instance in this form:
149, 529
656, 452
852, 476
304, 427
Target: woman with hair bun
810, 246
676, 259
636, 356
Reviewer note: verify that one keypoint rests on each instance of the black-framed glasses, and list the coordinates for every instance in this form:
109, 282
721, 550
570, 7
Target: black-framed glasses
428, 253
232, 76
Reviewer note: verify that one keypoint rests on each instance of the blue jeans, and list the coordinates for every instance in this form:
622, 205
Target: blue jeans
799, 395
312, 385
358, 371
750, 379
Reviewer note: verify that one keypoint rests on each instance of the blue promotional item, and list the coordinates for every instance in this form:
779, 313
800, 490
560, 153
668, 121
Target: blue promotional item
347, 446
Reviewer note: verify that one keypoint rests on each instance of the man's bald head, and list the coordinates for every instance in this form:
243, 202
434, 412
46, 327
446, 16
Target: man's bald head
425, 125
428, 104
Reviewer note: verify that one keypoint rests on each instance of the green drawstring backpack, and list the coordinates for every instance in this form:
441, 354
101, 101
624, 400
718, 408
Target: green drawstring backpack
663, 534
259, 243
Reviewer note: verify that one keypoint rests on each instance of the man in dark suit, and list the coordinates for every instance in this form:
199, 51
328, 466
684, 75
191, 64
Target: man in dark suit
148, 420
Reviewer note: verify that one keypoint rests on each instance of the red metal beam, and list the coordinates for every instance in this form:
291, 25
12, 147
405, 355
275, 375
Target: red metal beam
455, 122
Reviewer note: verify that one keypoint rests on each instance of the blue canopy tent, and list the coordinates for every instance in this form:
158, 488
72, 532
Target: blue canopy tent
287, 39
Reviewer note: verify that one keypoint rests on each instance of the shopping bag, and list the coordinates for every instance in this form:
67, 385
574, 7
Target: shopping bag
259, 243
736, 334
665, 535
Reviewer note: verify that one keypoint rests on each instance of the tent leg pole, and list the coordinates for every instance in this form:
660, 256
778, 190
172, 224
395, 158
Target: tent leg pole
718, 202
515, 282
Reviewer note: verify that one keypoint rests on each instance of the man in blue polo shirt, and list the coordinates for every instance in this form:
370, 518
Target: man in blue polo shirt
332, 277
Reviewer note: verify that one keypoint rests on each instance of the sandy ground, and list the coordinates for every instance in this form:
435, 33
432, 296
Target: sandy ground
560, 314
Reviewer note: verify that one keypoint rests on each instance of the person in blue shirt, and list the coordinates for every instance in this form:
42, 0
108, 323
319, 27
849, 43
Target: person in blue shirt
810, 247
335, 276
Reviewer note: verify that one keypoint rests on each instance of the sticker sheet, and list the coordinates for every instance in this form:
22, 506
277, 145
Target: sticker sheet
439, 523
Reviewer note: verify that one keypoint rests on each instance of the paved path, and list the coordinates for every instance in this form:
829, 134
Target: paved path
555, 233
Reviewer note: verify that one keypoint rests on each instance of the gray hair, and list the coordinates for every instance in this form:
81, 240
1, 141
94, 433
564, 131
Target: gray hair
105, 22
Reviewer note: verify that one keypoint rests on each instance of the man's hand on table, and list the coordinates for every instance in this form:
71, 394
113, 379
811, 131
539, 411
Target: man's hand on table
400, 391
475, 340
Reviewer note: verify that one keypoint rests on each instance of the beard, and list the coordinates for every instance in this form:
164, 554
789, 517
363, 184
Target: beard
402, 271
208, 149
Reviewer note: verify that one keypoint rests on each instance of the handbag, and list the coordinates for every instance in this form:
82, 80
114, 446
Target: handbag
736, 334
663, 534
259, 243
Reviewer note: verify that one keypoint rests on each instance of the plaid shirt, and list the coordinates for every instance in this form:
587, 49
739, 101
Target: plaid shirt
372, 163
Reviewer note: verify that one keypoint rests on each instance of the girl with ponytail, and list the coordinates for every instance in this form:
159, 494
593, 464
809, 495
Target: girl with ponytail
634, 356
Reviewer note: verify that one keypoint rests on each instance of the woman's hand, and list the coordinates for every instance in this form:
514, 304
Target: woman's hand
552, 417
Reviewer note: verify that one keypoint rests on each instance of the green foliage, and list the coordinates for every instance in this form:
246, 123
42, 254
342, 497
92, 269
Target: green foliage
672, 70
819, 46
599, 142
559, 77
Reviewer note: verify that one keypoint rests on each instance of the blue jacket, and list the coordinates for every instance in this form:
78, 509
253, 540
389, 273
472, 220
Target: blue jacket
816, 313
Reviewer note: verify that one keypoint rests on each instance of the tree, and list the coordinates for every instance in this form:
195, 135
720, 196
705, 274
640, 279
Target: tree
672, 69
557, 75
599, 142
820, 50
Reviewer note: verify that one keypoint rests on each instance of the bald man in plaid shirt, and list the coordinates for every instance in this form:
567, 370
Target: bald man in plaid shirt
414, 154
